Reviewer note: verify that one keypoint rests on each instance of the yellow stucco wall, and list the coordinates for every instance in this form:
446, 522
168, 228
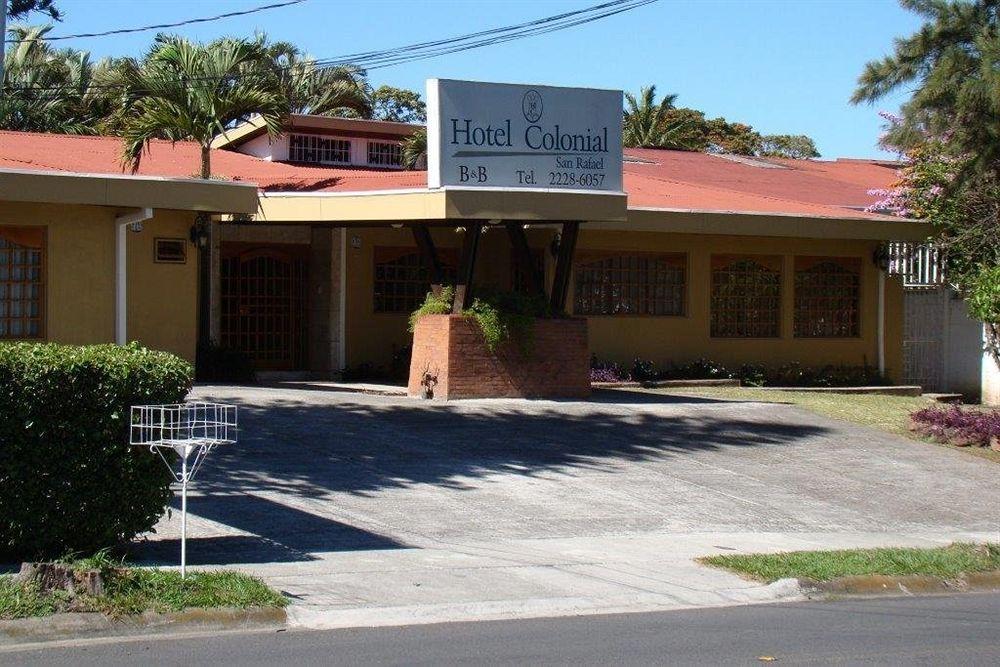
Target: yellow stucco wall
686, 338
370, 336
80, 276
163, 297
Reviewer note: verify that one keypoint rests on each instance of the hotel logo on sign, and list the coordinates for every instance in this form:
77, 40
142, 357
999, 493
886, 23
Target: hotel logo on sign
532, 106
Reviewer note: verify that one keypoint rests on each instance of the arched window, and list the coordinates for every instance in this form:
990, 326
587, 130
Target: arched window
402, 280
746, 296
631, 285
22, 282
827, 297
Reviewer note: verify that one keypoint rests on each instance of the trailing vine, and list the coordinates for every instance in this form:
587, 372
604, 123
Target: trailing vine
501, 316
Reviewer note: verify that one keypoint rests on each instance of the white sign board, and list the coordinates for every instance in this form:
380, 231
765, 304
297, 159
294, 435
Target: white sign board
498, 135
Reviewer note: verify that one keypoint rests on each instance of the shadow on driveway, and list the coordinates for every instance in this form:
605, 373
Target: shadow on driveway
297, 448
279, 534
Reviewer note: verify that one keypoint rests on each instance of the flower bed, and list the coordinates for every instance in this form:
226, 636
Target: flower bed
955, 426
750, 375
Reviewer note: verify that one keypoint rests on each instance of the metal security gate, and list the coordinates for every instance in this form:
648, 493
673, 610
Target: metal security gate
264, 303
924, 336
925, 311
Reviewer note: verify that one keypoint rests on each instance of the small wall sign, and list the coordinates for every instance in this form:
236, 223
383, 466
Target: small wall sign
170, 251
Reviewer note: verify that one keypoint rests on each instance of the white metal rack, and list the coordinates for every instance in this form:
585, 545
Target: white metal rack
187, 429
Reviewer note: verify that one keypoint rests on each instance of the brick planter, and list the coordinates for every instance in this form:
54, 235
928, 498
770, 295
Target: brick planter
451, 347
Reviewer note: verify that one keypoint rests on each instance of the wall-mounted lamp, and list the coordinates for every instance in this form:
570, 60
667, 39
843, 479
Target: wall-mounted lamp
199, 234
881, 257
554, 246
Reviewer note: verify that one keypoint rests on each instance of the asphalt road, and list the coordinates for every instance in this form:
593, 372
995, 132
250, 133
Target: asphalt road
930, 630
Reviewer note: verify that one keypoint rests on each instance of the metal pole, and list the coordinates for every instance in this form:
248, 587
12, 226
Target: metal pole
3, 41
184, 512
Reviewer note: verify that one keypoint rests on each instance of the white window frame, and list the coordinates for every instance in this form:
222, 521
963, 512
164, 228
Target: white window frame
320, 150
385, 149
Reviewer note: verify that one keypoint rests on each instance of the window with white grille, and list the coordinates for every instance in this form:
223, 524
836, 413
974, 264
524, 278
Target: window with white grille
919, 265
385, 154
312, 148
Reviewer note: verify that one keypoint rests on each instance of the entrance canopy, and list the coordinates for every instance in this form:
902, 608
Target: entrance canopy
439, 206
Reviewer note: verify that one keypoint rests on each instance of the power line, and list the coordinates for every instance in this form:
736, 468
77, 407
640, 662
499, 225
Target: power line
431, 49
161, 26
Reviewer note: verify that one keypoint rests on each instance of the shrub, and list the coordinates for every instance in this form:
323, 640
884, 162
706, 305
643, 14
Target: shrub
957, 426
644, 370
796, 375
69, 481
700, 369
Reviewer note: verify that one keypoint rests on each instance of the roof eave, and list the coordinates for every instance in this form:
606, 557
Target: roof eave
121, 190
787, 225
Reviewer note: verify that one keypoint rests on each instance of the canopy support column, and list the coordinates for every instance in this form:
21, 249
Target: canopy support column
422, 237
467, 267
564, 264
522, 255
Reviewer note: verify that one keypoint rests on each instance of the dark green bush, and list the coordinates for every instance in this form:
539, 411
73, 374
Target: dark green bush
644, 370
69, 481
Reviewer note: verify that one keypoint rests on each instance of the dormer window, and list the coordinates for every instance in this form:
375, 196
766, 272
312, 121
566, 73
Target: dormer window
385, 154
323, 150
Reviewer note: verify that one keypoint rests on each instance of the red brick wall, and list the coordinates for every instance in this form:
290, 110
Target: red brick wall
451, 347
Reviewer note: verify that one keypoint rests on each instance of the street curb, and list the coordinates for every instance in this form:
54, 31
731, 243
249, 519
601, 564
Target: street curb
94, 625
874, 585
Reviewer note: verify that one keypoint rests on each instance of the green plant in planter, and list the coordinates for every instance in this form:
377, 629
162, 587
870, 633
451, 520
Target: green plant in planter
501, 316
504, 316
434, 304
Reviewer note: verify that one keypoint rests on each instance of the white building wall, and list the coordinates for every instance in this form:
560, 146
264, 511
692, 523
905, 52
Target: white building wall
265, 148
276, 150
963, 365
990, 380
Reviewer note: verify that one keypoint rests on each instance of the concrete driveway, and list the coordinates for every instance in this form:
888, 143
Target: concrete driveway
370, 509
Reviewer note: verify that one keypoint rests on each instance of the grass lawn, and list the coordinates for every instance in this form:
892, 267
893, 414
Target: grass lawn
888, 413
135, 590
946, 562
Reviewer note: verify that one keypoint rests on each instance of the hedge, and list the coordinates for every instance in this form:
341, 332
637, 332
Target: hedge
69, 481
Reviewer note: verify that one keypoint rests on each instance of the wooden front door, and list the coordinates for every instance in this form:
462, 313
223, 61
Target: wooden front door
264, 303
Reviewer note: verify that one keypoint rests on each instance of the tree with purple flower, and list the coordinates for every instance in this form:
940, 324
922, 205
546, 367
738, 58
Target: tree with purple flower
948, 135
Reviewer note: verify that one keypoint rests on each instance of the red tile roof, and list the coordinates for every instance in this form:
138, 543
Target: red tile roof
653, 178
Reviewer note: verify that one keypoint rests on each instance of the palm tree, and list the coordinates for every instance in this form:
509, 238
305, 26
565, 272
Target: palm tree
311, 89
644, 124
415, 149
951, 61
50, 90
187, 91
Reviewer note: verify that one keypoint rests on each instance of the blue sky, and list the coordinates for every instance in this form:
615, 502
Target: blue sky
784, 66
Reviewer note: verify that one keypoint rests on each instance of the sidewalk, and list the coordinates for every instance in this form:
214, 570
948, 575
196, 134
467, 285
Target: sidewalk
543, 577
